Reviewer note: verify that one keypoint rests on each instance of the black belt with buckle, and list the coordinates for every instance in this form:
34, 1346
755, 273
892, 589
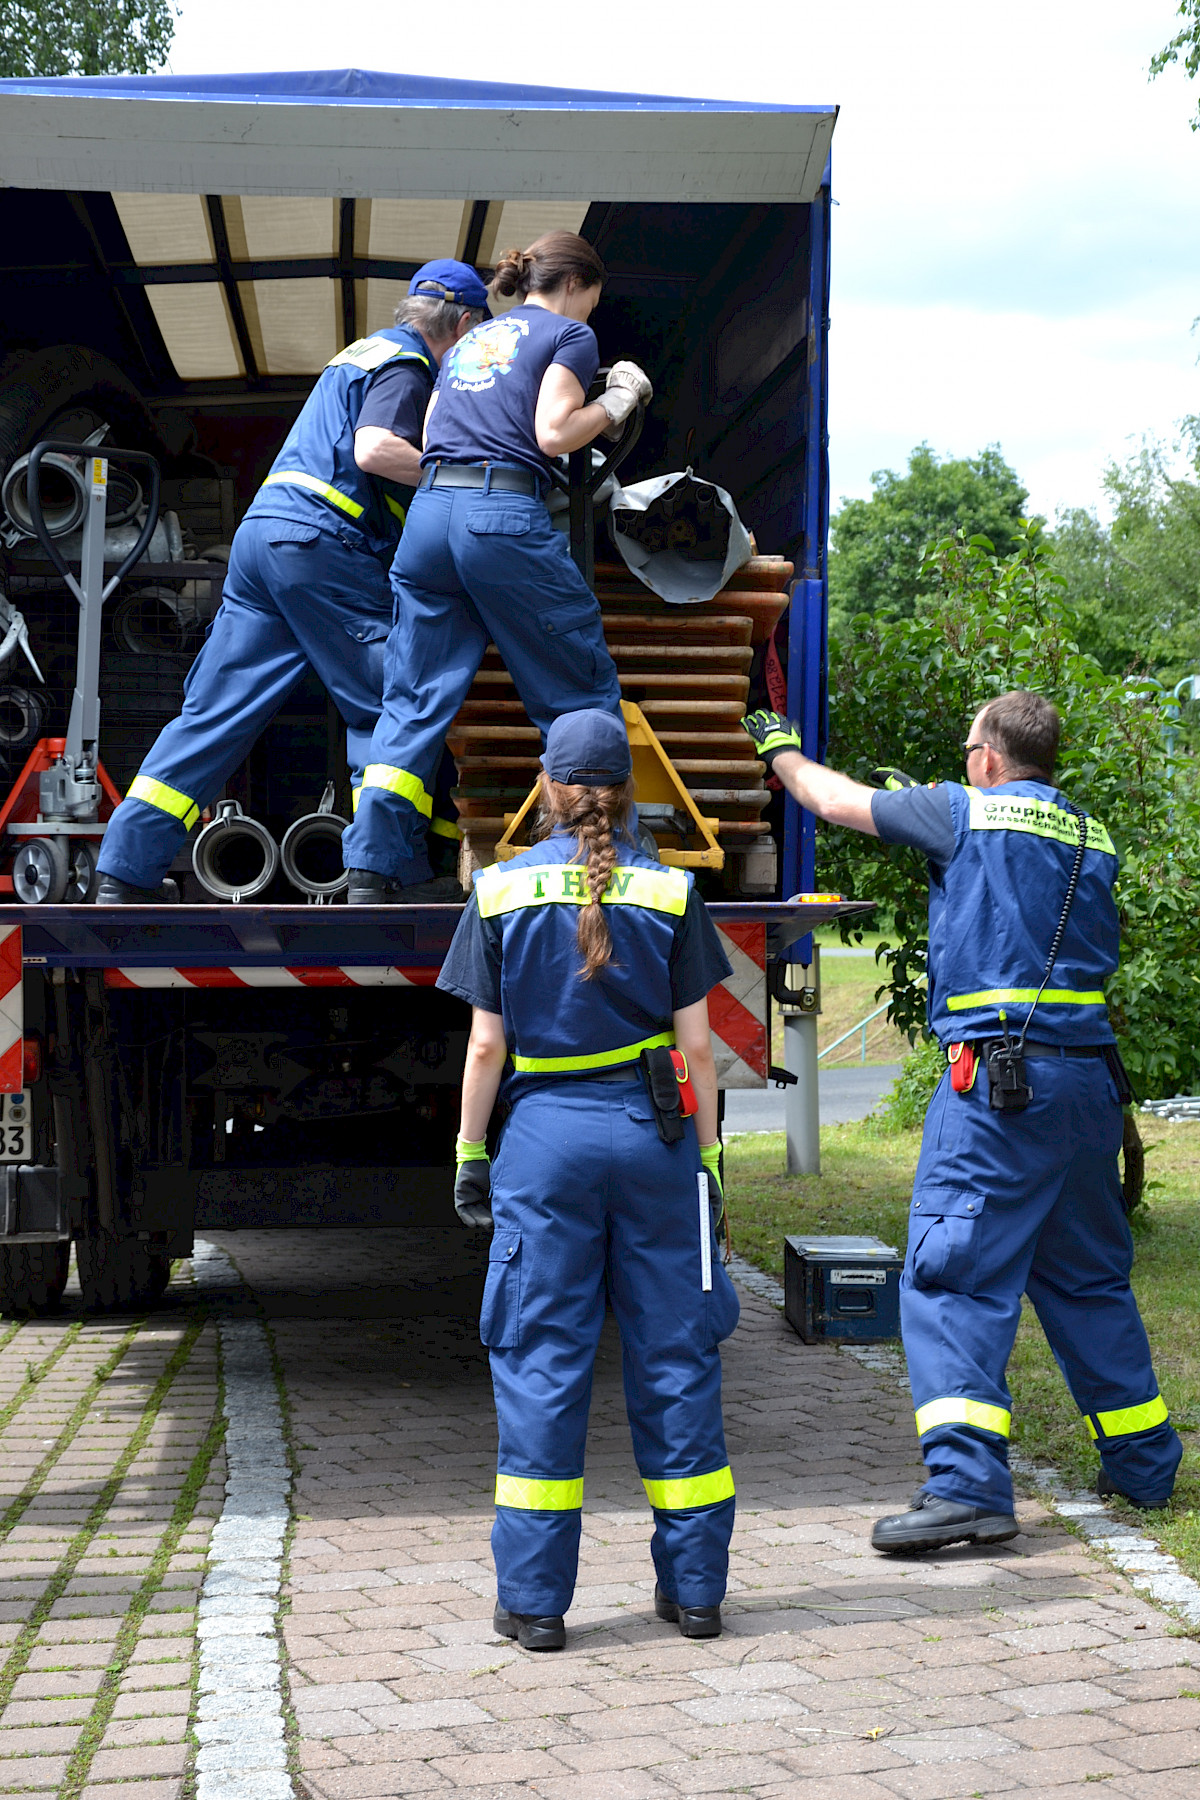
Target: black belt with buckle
497, 478
1035, 1047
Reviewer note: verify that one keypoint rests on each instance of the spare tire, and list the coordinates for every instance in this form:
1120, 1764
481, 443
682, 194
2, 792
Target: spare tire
69, 383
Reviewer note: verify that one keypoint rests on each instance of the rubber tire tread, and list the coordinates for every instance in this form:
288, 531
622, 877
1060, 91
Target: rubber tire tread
32, 1279
120, 1274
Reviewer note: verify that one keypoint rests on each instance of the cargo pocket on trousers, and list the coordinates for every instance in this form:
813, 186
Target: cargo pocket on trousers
571, 631
945, 1232
500, 1314
498, 521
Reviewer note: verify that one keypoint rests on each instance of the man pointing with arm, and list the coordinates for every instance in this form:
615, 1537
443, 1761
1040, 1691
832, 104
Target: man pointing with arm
1017, 1187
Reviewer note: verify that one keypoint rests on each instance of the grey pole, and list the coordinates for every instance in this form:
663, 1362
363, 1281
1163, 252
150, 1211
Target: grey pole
802, 1105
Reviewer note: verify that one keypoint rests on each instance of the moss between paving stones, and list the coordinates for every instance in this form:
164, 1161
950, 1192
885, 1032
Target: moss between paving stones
864, 1187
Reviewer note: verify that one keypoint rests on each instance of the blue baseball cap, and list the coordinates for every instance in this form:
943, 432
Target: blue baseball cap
449, 280
588, 749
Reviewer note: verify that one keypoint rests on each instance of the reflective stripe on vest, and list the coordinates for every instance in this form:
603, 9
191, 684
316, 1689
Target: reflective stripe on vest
502, 890
298, 478
445, 828
602, 1059
397, 781
963, 1412
1025, 812
1052, 996
1127, 1420
679, 1493
529, 1493
372, 353
394, 506
167, 799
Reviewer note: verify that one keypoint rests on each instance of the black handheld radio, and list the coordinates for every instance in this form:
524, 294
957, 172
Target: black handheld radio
1009, 1088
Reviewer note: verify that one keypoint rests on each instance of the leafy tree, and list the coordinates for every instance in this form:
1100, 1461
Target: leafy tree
1185, 43
878, 544
902, 691
75, 37
1134, 586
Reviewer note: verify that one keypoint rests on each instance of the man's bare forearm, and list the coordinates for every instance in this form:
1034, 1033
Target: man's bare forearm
832, 796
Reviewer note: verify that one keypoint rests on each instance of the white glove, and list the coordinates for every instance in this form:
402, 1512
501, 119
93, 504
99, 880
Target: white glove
627, 385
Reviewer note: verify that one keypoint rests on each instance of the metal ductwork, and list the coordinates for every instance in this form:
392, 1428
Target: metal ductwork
234, 858
311, 852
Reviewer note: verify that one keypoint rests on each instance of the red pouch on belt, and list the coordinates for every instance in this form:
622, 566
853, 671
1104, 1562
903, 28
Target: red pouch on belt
963, 1067
688, 1102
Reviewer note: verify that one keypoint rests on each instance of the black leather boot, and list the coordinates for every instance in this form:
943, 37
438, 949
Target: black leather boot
933, 1523
1107, 1489
367, 888
693, 1621
530, 1632
111, 891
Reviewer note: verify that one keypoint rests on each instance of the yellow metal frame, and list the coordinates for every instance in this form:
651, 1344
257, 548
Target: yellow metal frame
655, 783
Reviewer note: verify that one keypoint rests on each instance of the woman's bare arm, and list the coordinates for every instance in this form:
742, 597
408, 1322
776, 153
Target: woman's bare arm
486, 1052
564, 421
693, 1038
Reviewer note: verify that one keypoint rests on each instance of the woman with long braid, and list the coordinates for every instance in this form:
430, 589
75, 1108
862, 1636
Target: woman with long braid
584, 961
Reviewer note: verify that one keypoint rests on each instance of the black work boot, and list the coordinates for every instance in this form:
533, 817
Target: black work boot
367, 888
112, 891
933, 1523
530, 1632
693, 1621
1107, 1489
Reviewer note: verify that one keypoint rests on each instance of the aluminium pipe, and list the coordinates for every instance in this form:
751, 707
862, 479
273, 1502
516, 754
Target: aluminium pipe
802, 1105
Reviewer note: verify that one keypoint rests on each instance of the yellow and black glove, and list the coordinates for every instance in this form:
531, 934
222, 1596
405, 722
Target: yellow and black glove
772, 733
710, 1157
892, 779
473, 1184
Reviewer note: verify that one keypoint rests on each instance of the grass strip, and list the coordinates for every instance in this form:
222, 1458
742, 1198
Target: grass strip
79, 1412
33, 1376
22, 1649
108, 1693
7, 1337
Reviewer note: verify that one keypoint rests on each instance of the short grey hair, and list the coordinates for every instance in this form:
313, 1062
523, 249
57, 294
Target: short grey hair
434, 319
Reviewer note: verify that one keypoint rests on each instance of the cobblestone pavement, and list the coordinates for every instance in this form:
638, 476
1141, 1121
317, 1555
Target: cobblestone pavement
1031, 1670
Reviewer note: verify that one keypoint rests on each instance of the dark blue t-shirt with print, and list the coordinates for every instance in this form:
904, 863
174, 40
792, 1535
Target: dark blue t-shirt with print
488, 386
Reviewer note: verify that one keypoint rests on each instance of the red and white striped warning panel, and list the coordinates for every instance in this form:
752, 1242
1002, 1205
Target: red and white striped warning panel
269, 978
12, 1013
737, 1009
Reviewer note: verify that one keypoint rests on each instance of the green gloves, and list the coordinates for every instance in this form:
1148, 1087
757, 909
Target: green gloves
772, 733
473, 1184
710, 1157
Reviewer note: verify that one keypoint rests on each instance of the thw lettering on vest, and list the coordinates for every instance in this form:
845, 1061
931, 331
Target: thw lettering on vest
574, 884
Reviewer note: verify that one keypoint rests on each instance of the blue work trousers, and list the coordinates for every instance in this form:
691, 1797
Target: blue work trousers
586, 1198
294, 598
1027, 1202
471, 566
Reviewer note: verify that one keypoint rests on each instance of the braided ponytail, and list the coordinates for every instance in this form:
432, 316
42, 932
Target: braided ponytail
593, 814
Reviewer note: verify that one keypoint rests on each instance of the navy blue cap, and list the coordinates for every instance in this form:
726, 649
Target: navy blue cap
588, 749
449, 280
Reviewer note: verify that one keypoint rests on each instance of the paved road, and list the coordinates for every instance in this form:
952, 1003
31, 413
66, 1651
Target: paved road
846, 1095
1028, 1671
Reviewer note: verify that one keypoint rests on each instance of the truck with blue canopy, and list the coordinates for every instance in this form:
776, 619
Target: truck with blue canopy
182, 256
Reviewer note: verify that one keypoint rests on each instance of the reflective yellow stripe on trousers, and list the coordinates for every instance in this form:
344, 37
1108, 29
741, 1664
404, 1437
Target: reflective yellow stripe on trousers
601, 1059
963, 1412
397, 781
529, 1493
679, 1493
298, 478
167, 799
1127, 1420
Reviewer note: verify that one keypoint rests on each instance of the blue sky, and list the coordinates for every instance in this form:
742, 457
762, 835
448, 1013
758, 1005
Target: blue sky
1017, 239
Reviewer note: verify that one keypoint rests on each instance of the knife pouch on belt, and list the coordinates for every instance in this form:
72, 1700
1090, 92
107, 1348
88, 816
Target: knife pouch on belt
658, 1072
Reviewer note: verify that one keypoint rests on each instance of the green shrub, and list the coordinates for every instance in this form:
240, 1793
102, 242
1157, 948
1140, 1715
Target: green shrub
904, 1108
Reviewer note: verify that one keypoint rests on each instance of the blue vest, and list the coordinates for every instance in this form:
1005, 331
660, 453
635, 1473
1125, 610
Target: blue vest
993, 909
315, 480
555, 1023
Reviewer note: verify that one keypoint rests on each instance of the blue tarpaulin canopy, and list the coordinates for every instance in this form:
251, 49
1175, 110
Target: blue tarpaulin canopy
371, 87
359, 133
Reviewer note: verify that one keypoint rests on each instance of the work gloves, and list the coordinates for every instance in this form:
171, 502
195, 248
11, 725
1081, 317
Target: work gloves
627, 386
772, 733
892, 779
473, 1184
710, 1157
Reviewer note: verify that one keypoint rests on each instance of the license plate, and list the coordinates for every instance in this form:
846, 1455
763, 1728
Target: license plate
14, 1128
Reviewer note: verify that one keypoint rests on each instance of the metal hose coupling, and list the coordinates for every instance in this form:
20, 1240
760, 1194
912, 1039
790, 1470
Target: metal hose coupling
311, 853
234, 857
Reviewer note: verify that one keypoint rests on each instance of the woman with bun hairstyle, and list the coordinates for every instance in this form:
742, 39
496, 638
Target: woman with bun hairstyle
480, 559
585, 962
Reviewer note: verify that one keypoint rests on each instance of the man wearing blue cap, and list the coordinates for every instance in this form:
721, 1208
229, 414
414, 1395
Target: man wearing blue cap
308, 578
